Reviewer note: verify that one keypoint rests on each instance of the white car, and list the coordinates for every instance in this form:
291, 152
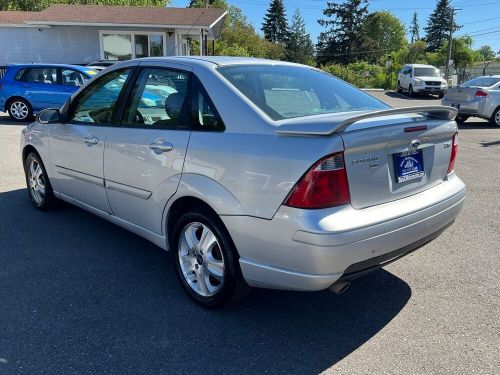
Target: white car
421, 79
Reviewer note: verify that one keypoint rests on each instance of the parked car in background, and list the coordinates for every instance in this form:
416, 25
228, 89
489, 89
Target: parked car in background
101, 64
479, 97
26, 89
251, 172
421, 79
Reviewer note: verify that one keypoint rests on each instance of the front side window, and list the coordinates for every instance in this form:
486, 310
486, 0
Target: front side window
97, 102
70, 77
158, 99
288, 91
39, 75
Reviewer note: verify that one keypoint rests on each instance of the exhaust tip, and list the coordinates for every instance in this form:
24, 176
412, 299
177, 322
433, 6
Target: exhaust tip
340, 287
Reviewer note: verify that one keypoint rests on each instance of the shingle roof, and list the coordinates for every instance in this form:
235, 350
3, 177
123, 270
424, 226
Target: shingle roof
127, 15
16, 17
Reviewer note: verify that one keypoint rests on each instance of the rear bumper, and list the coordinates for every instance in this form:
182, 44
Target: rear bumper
312, 249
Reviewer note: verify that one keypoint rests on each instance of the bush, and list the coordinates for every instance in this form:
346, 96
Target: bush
363, 74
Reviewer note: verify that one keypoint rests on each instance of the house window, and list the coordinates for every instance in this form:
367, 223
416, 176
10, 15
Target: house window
125, 45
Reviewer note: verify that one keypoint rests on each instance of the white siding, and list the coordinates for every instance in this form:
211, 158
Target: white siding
59, 44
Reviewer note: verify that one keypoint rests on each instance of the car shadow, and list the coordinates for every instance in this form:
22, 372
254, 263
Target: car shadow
6, 120
82, 295
473, 124
405, 96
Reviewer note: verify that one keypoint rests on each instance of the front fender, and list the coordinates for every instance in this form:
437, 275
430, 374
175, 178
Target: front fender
207, 190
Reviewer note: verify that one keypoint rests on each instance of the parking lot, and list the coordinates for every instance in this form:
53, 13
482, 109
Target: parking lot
81, 295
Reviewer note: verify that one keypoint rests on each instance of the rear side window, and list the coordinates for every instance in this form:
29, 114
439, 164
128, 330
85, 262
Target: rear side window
37, 75
97, 102
205, 115
289, 91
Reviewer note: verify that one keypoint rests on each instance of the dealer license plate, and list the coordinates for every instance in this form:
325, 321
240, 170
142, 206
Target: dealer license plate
409, 165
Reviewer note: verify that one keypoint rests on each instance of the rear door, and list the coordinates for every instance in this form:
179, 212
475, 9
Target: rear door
77, 147
395, 156
39, 87
144, 153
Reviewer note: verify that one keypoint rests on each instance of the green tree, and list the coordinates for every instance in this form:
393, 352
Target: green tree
462, 53
275, 26
299, 47
486, 53
343, 40
414, 28
239, 37
35, 5
384, 33
438, 25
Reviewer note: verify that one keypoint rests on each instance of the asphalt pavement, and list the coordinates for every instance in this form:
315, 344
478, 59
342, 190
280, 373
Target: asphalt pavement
79, 295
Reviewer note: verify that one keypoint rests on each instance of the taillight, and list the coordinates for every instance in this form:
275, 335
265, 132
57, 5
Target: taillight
324, 185
454, 149
481, 94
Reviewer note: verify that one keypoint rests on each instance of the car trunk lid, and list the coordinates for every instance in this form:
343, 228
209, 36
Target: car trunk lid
382, 150
461, 94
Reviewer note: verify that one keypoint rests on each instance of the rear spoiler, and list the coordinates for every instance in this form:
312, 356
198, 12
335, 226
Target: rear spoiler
334, 124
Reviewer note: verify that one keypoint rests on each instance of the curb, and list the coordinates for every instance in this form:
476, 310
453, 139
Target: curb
374, 90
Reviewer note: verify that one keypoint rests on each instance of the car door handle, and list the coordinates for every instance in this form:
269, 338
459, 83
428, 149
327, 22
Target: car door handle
160, 146
91, 140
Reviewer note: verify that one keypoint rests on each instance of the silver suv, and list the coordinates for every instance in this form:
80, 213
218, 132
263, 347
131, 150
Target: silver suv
250, 172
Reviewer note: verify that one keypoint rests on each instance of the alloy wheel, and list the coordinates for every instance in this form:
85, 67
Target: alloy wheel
19, 110
497, 118
201, 259
36, 182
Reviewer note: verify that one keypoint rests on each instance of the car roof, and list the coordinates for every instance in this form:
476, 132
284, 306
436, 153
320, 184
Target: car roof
69, 66
218, 60
492, 76
421, 65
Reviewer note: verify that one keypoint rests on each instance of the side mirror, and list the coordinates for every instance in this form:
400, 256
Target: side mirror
49, 116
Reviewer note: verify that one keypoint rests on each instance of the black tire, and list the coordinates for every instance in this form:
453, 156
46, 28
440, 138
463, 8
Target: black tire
495, 118
399, 88
233, 288
460, 119
411, 93
42, 201
19, 110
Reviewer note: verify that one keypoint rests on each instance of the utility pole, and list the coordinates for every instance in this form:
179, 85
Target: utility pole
450, 42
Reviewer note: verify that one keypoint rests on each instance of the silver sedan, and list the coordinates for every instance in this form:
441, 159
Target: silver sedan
250, 172
479, 97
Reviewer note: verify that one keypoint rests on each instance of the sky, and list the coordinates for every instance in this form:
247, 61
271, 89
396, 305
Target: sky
480, 18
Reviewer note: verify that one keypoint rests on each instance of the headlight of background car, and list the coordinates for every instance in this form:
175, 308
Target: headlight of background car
419, 83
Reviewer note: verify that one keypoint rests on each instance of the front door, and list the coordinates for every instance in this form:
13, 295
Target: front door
77, 147
144, 154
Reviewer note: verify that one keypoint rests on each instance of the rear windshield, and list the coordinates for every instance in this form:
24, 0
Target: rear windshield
284, 92
482, 82
426, 72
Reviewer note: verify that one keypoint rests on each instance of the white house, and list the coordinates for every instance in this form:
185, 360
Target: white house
78, 34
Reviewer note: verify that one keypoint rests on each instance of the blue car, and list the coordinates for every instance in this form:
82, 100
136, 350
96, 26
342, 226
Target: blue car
26, 89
